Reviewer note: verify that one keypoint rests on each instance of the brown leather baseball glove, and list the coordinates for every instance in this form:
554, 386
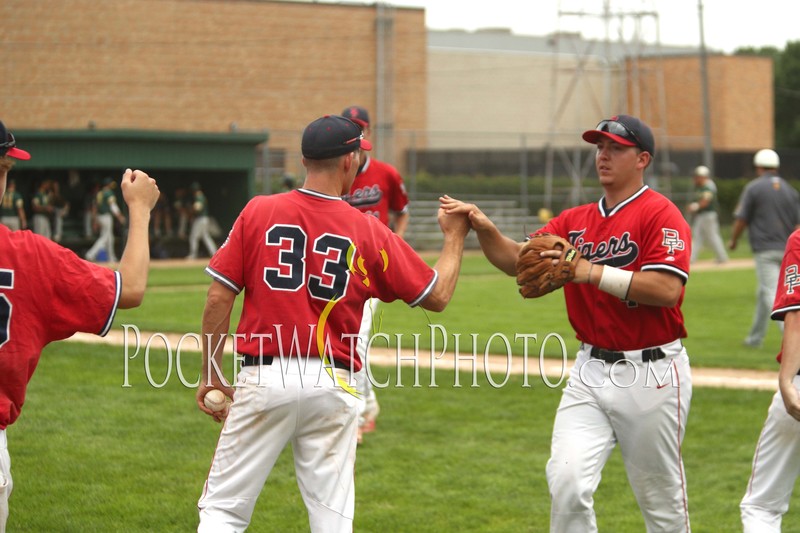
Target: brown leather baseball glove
536, 275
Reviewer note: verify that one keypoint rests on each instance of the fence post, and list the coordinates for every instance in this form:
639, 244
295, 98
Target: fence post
523, 172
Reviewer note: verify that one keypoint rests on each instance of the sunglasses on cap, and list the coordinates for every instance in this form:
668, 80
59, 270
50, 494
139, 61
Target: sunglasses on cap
10, 143
354, 139
619, 129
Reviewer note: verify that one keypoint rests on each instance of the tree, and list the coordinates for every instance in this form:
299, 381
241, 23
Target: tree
787, 97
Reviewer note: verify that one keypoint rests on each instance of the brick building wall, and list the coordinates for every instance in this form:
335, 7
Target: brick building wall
740, 93
203, 65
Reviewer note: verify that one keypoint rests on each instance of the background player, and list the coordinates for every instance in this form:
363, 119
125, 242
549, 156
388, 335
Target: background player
47, 293
705, 216
106, 210
624, 304
12, 208
378, 190
770, 210
776, 463
200, 223
305, 287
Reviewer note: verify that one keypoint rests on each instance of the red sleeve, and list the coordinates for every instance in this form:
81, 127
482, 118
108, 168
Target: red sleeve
82, 296
787, 297
553, 227
227, 265
398, 197
402, 274
667, 244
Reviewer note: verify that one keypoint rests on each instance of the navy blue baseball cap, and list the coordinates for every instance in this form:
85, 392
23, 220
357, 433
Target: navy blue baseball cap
8, 145
357, 114
625, 130
332, 136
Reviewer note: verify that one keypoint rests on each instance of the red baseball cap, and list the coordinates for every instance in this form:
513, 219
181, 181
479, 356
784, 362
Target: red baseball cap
8, 146
358, 115
625, 130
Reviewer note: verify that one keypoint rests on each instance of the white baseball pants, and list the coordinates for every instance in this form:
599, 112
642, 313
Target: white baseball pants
705, 230
768, 271
368, 402
776, 465
5, 480
275, 406
643, 407
105, 240
200, 232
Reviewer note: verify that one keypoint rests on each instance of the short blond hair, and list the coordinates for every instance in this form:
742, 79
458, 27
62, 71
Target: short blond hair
6, 163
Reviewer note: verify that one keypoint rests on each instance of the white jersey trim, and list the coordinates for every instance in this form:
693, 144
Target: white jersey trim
668, 268
783, 311
620, 205
426, 292
113, 313
223, 279
318, 194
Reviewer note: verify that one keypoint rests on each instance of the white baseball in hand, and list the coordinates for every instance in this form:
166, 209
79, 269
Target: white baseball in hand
215, 400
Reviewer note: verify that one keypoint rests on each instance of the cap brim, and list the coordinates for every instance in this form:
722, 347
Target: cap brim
16, 153
591, 136
366, 145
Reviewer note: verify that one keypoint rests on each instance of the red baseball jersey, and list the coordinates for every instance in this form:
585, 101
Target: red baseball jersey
645, 232
47, 293
378, 189
307, 263
787, 297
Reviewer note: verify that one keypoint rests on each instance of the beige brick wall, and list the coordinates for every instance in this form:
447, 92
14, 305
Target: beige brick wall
201, 65
740, 95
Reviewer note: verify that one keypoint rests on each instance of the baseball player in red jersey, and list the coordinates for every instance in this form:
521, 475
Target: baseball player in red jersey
378, 191
47, 293
776, 463
631, 382
307, 262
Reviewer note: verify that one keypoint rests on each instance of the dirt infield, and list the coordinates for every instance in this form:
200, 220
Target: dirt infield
495, 365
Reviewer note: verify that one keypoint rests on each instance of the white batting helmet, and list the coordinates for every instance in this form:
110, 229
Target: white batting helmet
766, 158
702, 170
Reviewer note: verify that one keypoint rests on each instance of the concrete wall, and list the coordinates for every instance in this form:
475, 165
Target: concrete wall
489, 99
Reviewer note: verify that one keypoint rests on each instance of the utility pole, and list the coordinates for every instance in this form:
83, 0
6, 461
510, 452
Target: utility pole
708, 151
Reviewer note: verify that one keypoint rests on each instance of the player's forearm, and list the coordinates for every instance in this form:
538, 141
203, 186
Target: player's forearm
401, 224
790, 364
448, 267
135, 262
215, 327
655, 288
790, 349
501, 251
659, 289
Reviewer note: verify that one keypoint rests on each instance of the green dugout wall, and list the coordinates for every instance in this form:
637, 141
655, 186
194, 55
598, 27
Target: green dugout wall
223, 163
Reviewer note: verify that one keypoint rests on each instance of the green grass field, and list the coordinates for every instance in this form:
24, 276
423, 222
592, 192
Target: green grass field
718, 309
91, 455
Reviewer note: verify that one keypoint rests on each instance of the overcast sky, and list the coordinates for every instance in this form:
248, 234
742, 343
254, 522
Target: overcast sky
729, 24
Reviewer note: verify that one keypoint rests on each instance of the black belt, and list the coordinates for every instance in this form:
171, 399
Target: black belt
254, 360
610, 356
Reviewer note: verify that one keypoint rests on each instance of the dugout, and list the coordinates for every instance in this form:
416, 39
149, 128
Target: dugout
78, 160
